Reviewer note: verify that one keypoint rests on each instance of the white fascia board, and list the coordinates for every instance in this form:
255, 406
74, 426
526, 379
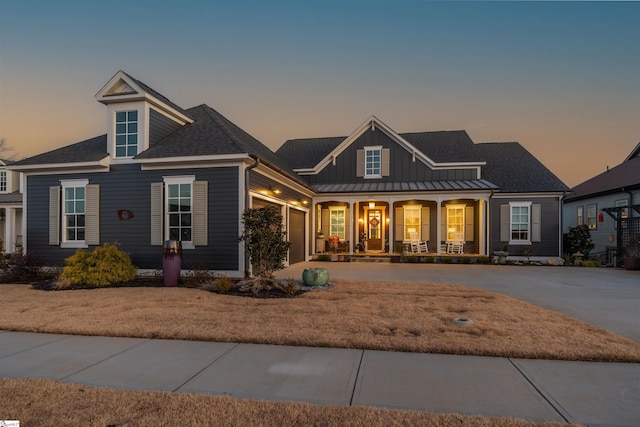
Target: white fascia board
57, 168
284, 180
525, 195
192, 161
375, 122
141, 95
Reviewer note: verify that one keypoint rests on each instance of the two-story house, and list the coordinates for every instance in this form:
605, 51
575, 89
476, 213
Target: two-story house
162, 172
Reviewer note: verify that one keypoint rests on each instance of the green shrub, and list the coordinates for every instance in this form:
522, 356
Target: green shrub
446, 260
484, 260
429, 259
465, 260
578, 239
104, 266
324, 257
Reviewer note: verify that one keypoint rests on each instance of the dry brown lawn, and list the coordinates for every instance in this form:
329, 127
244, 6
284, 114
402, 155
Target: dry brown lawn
38, 403
380, 316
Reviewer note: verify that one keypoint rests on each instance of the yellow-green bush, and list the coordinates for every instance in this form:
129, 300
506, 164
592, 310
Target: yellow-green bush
104, 266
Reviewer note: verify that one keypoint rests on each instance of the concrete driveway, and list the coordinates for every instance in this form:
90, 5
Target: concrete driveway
603, 297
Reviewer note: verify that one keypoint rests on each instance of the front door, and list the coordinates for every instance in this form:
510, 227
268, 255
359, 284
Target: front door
374, 229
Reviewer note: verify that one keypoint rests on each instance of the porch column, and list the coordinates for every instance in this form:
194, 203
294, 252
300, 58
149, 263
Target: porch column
9, 232
483, 227
439, 227
354, 226
391, 219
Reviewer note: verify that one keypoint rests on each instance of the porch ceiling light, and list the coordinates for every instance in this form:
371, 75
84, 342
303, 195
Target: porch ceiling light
372, 205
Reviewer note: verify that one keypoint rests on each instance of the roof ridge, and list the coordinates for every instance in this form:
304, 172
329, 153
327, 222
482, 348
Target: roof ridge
217, 118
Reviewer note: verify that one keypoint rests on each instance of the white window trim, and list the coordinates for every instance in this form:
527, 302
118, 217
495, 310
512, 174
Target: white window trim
580, 218
530, 225
344, 210
464, 219
404, 221
6, 181
139, 146
366, 150
66, 183
169, 180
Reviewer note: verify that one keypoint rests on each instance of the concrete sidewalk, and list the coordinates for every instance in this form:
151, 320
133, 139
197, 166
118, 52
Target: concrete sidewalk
536, 390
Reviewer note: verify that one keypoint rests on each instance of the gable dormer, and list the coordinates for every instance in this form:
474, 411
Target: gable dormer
137, 116
9, 180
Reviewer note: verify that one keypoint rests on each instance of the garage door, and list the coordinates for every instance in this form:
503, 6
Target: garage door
296, 235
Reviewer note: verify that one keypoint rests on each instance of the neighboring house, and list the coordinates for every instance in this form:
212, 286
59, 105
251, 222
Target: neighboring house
165, 173
10, 208
389, 189
160, 173
602, 202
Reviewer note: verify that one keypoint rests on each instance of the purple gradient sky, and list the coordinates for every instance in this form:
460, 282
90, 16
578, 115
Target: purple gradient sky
562, 78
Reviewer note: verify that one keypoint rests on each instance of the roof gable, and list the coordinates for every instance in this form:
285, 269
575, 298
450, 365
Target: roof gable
124, 88
326, 150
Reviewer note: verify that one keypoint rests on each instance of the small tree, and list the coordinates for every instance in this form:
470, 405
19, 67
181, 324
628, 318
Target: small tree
578, 239
264, 241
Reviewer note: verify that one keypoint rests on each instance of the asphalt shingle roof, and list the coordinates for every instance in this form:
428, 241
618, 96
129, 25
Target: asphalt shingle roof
444, 146
626, 175
90, 150
514, 169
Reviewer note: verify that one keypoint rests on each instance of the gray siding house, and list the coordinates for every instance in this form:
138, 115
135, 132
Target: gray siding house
161, 172
384, 190
603, 203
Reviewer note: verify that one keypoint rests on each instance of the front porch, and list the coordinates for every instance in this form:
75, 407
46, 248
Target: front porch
424, 225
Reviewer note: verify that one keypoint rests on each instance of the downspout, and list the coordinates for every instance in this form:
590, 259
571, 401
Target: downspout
560, 224
487, 225
247, 199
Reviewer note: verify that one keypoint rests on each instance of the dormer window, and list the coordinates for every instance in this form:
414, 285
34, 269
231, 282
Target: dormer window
3, 181
126, 133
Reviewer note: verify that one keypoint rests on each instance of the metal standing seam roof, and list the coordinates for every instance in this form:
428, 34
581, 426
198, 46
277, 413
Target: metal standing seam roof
379, 187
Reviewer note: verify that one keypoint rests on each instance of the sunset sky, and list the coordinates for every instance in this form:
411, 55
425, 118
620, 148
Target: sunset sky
561, 78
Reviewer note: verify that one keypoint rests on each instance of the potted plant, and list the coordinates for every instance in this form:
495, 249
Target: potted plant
631, 257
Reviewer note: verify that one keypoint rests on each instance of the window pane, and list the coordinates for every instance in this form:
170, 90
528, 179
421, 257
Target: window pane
121, 116
121, 128
174, 234
132, 128
185, 190
132, 150
185, 220
121, 151
80, 234
186, 235
80, 220
80, 206
79, 192
173, 190
133, 116
71, 220
71, 234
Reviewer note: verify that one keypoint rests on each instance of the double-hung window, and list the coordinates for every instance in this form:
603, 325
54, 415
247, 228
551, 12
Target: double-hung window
74, 214
373, 162
179, 211
412, 221
126, 133
520, 222
455, 222
337, 222
580, 213
3, 181
592, 211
